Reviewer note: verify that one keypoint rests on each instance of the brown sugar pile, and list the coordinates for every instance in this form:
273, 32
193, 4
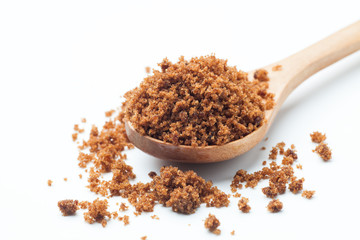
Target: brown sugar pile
68, 207
243, 205
184, 192
199, 102
323, 151
97, 212
275, 206
212, 223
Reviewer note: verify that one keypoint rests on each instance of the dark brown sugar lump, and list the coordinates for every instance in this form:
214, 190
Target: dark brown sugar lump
199, 102
296, 186
97, 212
243, 205
212, 223
323, 151
275, 206
68, 207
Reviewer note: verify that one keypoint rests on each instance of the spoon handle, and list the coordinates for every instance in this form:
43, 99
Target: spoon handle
300, 66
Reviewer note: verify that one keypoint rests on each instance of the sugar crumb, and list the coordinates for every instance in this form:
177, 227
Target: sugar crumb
308, 194
275, 206
68, 207
212, 223
318, 137
323, 151
276, 68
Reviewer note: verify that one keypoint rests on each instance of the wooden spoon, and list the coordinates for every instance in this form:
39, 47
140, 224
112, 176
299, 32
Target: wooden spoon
295, 69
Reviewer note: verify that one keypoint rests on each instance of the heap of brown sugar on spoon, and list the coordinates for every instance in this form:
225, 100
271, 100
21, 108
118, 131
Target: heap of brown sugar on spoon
201, 110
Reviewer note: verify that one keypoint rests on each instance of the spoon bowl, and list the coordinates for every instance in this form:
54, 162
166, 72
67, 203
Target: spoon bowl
294, 70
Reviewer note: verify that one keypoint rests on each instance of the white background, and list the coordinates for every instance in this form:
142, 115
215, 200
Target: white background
61, 61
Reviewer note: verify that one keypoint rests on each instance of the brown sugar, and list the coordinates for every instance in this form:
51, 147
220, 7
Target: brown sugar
317, 137
291, 153
77, 129
83, 120
74, 136
264, 163
123, 207
323, 151
182, 191
296, 186
281, 146
185, 191
261, 75
155, 217
184, 200
273, 153
287, 160
84, 159
147, 69
232, 232
308, 194
68, 207
114, 215
125, 219
243, 205
263, 148
199, 102
212, 223
97, 212
143, 238
270, 192
299, 166
237, 195
80, 176
65, 179
109, 113
278, 176
49, 182
275, 206
152, 174
84, 204
276, 68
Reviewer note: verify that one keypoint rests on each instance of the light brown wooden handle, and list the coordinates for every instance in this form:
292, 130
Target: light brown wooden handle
300, 66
